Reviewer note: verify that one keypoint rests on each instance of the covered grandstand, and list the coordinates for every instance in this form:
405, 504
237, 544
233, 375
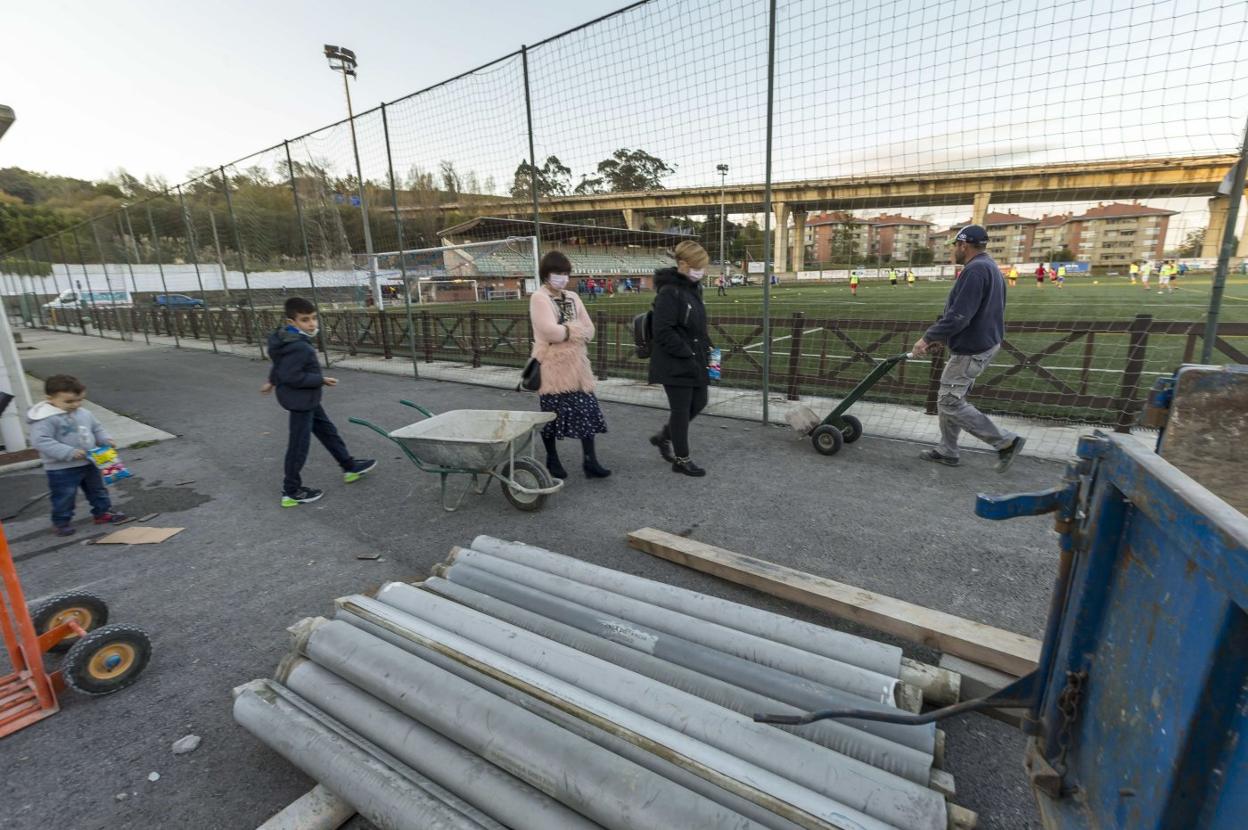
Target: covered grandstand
595, 251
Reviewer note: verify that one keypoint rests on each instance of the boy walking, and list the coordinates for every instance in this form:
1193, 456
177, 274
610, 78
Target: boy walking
296, 374
63, 433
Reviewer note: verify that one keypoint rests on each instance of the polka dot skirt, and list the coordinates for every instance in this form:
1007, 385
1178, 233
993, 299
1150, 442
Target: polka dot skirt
579, 415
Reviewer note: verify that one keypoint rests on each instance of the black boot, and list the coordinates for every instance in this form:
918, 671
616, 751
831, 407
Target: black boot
592, 468
686, 466
552, 458
664, 442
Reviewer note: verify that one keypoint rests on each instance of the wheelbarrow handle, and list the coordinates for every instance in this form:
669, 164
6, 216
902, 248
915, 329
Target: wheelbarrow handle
364, 422
417, 407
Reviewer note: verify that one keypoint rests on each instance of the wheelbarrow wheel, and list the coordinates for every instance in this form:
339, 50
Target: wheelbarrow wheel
527, 472
853, 429
107, 660
827, 439
84, 608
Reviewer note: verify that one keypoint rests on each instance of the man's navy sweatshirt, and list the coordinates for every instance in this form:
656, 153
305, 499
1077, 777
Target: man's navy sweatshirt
974, 317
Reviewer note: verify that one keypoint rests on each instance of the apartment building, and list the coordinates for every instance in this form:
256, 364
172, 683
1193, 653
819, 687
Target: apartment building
1048, 236
1118, 234
836, 238
895, 237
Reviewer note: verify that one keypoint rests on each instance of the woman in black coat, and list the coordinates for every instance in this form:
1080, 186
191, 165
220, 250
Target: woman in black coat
681, 353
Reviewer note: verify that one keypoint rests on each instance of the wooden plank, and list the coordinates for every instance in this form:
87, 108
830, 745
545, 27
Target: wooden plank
983, 644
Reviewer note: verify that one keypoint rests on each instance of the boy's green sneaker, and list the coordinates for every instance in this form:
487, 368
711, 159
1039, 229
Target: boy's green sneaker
303, 495
358, 470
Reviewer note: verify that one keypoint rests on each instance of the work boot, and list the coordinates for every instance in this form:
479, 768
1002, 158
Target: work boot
686, 466
665, 446
591, 466
933, 455
1006, 456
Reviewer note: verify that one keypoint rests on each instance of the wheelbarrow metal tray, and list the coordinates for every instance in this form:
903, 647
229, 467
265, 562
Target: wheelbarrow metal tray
469, 439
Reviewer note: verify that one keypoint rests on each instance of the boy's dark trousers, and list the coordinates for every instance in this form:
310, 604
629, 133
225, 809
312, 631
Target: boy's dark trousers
303, 425
64, 485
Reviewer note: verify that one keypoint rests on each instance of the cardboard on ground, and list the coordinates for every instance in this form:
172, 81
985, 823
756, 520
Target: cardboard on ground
139, 536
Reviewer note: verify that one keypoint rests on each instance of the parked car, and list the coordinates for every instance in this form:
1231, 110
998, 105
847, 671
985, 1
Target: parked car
737, 279
91, 299
177, 301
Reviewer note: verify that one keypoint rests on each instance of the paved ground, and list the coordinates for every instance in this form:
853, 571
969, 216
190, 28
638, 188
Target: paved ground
217, 597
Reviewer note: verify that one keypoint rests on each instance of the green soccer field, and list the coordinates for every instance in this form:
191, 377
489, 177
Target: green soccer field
1083, 298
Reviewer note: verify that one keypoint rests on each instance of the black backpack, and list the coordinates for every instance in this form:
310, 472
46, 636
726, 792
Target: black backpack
643, 329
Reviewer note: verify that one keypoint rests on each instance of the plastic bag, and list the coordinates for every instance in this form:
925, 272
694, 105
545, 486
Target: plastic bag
713, 368
110, 466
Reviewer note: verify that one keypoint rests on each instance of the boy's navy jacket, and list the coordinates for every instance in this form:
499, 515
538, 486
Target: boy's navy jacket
296, 372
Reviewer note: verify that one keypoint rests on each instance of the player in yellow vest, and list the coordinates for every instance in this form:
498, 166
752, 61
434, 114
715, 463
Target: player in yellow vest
910, 278
853, 283
1013, 275
1135, 271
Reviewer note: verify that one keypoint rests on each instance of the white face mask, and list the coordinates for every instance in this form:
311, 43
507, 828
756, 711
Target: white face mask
558, 281
697, 275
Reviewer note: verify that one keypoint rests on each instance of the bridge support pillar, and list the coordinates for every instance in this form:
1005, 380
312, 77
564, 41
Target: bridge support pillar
1218, 208
632, 219
979, 210
780, 240
799, 240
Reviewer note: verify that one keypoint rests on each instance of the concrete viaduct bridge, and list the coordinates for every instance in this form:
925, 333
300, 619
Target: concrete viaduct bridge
1085, 181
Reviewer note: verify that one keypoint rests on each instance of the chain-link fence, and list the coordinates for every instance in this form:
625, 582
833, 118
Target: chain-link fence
823, 153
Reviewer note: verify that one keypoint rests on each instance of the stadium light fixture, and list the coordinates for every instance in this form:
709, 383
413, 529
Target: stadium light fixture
341, 59
723, 255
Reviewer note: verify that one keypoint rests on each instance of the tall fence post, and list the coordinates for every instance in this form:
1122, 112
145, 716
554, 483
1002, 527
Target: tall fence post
398, 235
601, 325
69, 278
164, 285
248, 310
134, 284
114, 310
528, 115
1128, 403
1225, 251
795, 354
192, 249
82, 259
303, 236
767, 252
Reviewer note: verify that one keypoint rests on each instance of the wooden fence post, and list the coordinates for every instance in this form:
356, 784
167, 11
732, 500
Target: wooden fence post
385, 333
426, 335
474, 330
601, 325
194, 321
1128, 402
795, 353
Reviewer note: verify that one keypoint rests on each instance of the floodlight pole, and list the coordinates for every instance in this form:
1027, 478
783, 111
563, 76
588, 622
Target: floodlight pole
346, 64
723, 256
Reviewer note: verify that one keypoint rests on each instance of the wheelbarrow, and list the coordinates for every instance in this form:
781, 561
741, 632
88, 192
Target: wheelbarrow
839, 428
481, 444
99, 659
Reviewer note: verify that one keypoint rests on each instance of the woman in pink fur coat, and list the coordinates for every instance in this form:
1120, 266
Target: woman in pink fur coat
562, 330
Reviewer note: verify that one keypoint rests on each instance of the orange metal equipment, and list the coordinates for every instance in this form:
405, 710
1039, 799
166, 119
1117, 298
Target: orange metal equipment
100, 661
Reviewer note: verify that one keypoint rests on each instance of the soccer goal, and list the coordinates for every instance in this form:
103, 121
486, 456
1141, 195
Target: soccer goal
469, 272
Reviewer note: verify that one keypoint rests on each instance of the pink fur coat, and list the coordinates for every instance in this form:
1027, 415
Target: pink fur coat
565, 363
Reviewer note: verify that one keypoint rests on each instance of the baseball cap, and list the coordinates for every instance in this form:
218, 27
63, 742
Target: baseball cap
974, 234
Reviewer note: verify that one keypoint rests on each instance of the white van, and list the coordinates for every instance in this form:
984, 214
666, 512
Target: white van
91, 299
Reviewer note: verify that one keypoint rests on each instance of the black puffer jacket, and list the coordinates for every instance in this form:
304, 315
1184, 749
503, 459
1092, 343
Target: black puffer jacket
682, 344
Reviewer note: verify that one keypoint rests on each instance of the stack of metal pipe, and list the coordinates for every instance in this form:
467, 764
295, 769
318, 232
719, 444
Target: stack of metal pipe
522, 688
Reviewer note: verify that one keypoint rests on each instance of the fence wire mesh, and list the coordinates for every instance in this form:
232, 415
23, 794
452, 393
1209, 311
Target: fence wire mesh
1093, 140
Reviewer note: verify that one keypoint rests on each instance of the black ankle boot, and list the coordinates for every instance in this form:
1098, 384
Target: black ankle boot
665, 446
552, 458
686, 466
591, 466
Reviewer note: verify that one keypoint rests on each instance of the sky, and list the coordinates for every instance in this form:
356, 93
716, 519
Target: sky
163, 87
862, 87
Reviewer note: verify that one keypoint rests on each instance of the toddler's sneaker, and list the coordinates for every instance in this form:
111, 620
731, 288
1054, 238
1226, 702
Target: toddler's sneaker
63, 530
304, 495
360, 468
110, 518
